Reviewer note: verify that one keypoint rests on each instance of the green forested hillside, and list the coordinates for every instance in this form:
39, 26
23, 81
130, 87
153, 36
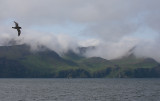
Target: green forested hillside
19, 61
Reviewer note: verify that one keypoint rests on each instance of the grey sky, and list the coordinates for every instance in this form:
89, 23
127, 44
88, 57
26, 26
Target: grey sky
114, 26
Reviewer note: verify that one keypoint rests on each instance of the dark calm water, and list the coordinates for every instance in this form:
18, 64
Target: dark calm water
79, 89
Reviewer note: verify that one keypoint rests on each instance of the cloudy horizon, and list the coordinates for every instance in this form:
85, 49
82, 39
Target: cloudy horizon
113, 26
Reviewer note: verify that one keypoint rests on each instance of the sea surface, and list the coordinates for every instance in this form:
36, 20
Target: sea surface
79, 89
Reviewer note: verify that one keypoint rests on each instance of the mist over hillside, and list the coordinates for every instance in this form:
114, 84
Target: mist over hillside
19, 61
61, 44
112, 27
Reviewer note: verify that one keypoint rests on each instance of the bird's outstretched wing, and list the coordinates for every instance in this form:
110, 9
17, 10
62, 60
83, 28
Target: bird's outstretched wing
16, 24
19, 32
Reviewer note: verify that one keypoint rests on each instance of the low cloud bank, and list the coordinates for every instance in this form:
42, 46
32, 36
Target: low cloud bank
105, 49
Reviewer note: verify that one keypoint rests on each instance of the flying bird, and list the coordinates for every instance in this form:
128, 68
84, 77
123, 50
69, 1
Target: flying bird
17, 27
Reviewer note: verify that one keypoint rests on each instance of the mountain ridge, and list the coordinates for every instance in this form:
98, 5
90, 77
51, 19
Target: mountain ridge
18, 61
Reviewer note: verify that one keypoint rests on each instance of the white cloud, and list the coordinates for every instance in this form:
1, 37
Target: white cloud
113, 50
148, 48
89, 42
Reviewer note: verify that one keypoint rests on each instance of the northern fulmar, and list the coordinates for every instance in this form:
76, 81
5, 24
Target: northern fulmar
17, 27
